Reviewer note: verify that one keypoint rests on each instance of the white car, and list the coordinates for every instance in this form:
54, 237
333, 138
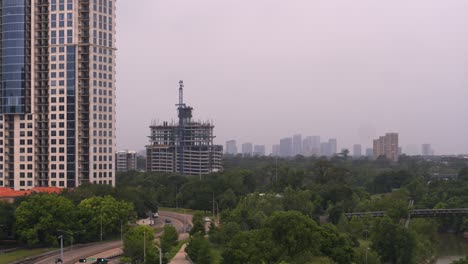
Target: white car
207, 219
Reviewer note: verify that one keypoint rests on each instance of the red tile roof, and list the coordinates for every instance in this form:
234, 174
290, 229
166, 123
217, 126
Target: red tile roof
7, 192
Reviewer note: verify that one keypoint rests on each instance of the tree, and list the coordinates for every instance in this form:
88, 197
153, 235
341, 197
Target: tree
393, 243
105, 212
295, 234
198, 224
135, 240
250, 247
169, 238
7, 219
199, 250
40, 216
335, 245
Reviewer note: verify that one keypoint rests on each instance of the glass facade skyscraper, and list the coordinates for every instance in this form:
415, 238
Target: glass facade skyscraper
57, 89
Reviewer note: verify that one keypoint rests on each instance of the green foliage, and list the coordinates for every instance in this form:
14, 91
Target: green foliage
393, 243
335, 245
7, 219
461, 261
134, 244
105, 211
38, 218
169, 238
199, 250
198, 224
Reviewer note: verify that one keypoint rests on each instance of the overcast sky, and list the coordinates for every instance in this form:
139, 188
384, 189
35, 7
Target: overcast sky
266, 69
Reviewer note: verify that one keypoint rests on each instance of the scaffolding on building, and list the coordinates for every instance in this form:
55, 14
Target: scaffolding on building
185, 147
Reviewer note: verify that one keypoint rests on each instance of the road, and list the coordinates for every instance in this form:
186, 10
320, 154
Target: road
109, 248
74, 255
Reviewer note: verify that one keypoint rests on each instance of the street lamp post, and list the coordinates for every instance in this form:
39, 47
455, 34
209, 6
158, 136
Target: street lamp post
71, 233
366, 231
61, 247
160, 254
144, 246
367, 249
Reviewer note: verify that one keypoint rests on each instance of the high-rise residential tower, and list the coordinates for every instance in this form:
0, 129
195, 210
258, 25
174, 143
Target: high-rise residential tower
231, 147
259, 150
247, 149
357, 151
333, 146
426, 150
286, 147
125, 160
297, 145
387, 146
57, 93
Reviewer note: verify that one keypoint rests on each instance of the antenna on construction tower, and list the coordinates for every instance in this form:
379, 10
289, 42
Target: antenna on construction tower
181, 109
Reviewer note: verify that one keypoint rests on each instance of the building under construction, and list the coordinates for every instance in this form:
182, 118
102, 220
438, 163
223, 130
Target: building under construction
185, 147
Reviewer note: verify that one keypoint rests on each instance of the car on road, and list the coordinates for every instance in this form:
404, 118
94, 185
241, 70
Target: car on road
187, 228
207, 219
167, 221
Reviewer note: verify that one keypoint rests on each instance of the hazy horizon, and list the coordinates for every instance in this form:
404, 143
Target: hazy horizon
263, 70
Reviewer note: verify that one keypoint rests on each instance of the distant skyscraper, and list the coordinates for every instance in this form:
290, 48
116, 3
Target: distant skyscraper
325, 149
297, 145
307, 146
247, 149
369, 152
275, 150
315, 142
259, 150
231, 147
357, 151
426, 150
333, 146
286, 147
387, 146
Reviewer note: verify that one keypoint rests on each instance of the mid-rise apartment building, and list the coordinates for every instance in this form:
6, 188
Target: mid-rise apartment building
387, 146
57, 93
125, 160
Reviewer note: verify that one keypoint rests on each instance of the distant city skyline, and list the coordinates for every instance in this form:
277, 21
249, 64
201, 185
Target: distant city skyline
265, 70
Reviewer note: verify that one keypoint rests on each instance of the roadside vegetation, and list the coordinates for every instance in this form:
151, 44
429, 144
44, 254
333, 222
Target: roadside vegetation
271, 211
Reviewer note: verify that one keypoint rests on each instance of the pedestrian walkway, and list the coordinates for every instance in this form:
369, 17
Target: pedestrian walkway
180, 257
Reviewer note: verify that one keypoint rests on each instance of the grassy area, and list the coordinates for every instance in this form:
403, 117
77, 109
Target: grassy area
21, 254
171, 254
184, 211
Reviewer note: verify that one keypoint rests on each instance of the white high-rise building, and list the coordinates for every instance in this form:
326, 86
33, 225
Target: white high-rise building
357, 151
231, 147
57, 93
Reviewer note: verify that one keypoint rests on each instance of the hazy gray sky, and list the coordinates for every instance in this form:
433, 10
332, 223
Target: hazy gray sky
266, 69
